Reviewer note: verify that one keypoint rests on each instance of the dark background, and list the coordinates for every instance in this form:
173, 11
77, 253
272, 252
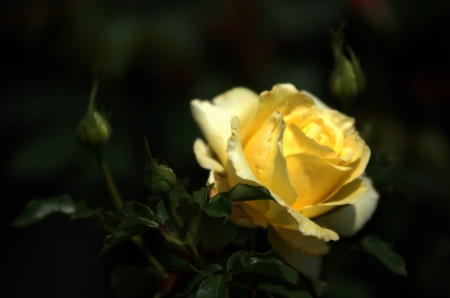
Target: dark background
153, 57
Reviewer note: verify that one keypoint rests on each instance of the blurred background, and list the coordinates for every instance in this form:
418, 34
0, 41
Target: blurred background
153, 57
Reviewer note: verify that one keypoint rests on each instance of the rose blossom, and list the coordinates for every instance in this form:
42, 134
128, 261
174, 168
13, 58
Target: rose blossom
309, 156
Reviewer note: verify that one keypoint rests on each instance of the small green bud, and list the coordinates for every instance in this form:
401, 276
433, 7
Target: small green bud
158, 178
94, 129
347, 80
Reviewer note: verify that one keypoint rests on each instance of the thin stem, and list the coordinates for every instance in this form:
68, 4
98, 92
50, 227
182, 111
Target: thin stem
139, 241
194, 253
108, 179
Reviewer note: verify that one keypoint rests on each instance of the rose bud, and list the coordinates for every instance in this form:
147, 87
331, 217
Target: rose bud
347, 80
93, 130
158, 178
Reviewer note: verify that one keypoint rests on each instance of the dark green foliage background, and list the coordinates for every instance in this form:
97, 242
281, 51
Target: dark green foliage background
153, 57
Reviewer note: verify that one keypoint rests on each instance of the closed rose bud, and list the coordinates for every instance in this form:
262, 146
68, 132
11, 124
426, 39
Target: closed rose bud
159, 178
93, 130
347, 80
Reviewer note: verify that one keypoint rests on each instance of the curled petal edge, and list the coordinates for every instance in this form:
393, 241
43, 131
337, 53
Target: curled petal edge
205, 159
351, 218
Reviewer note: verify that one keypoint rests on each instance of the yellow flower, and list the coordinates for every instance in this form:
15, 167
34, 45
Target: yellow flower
309, 157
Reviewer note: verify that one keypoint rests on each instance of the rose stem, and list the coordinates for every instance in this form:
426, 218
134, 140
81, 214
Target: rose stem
138, 240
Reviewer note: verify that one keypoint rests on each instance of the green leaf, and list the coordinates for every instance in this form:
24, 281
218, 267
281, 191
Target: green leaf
109, 218
161, 213
129, 210
137, 209
218, 207
171, 203
82, 210
269, 263
215, 228
215, 286
202, 196
189, 286
37, 210
126, 230
177, 193
132, 282
245, 192
383, 252
191, 281
283, 288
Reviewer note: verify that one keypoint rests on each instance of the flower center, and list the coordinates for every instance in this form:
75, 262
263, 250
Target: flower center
314, 130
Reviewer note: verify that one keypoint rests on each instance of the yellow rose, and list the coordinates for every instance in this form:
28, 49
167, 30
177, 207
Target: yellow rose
309, 157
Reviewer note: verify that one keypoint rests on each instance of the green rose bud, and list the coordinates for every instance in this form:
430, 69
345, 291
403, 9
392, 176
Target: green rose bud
94, 129
347, 80
158, 178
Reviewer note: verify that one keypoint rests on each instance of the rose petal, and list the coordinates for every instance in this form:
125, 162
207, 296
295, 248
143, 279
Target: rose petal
317, 101
204, 157
245, 215
295, 141
298, 101
314, 179
348, 194
220, 181
240, 102
238, 169
341, 121
213, 118
350, 219
360, 164
264, 155
269, 102
305, 244
345, 123
258, 147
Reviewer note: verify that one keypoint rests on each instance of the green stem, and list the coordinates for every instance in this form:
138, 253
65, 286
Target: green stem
194, 253
139, 241
108, 179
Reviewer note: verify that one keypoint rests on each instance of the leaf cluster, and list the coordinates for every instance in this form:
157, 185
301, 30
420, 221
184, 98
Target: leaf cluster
247, 274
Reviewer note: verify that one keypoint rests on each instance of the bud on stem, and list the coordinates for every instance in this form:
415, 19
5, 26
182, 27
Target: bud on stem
93, 130
158, 178
347, 80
